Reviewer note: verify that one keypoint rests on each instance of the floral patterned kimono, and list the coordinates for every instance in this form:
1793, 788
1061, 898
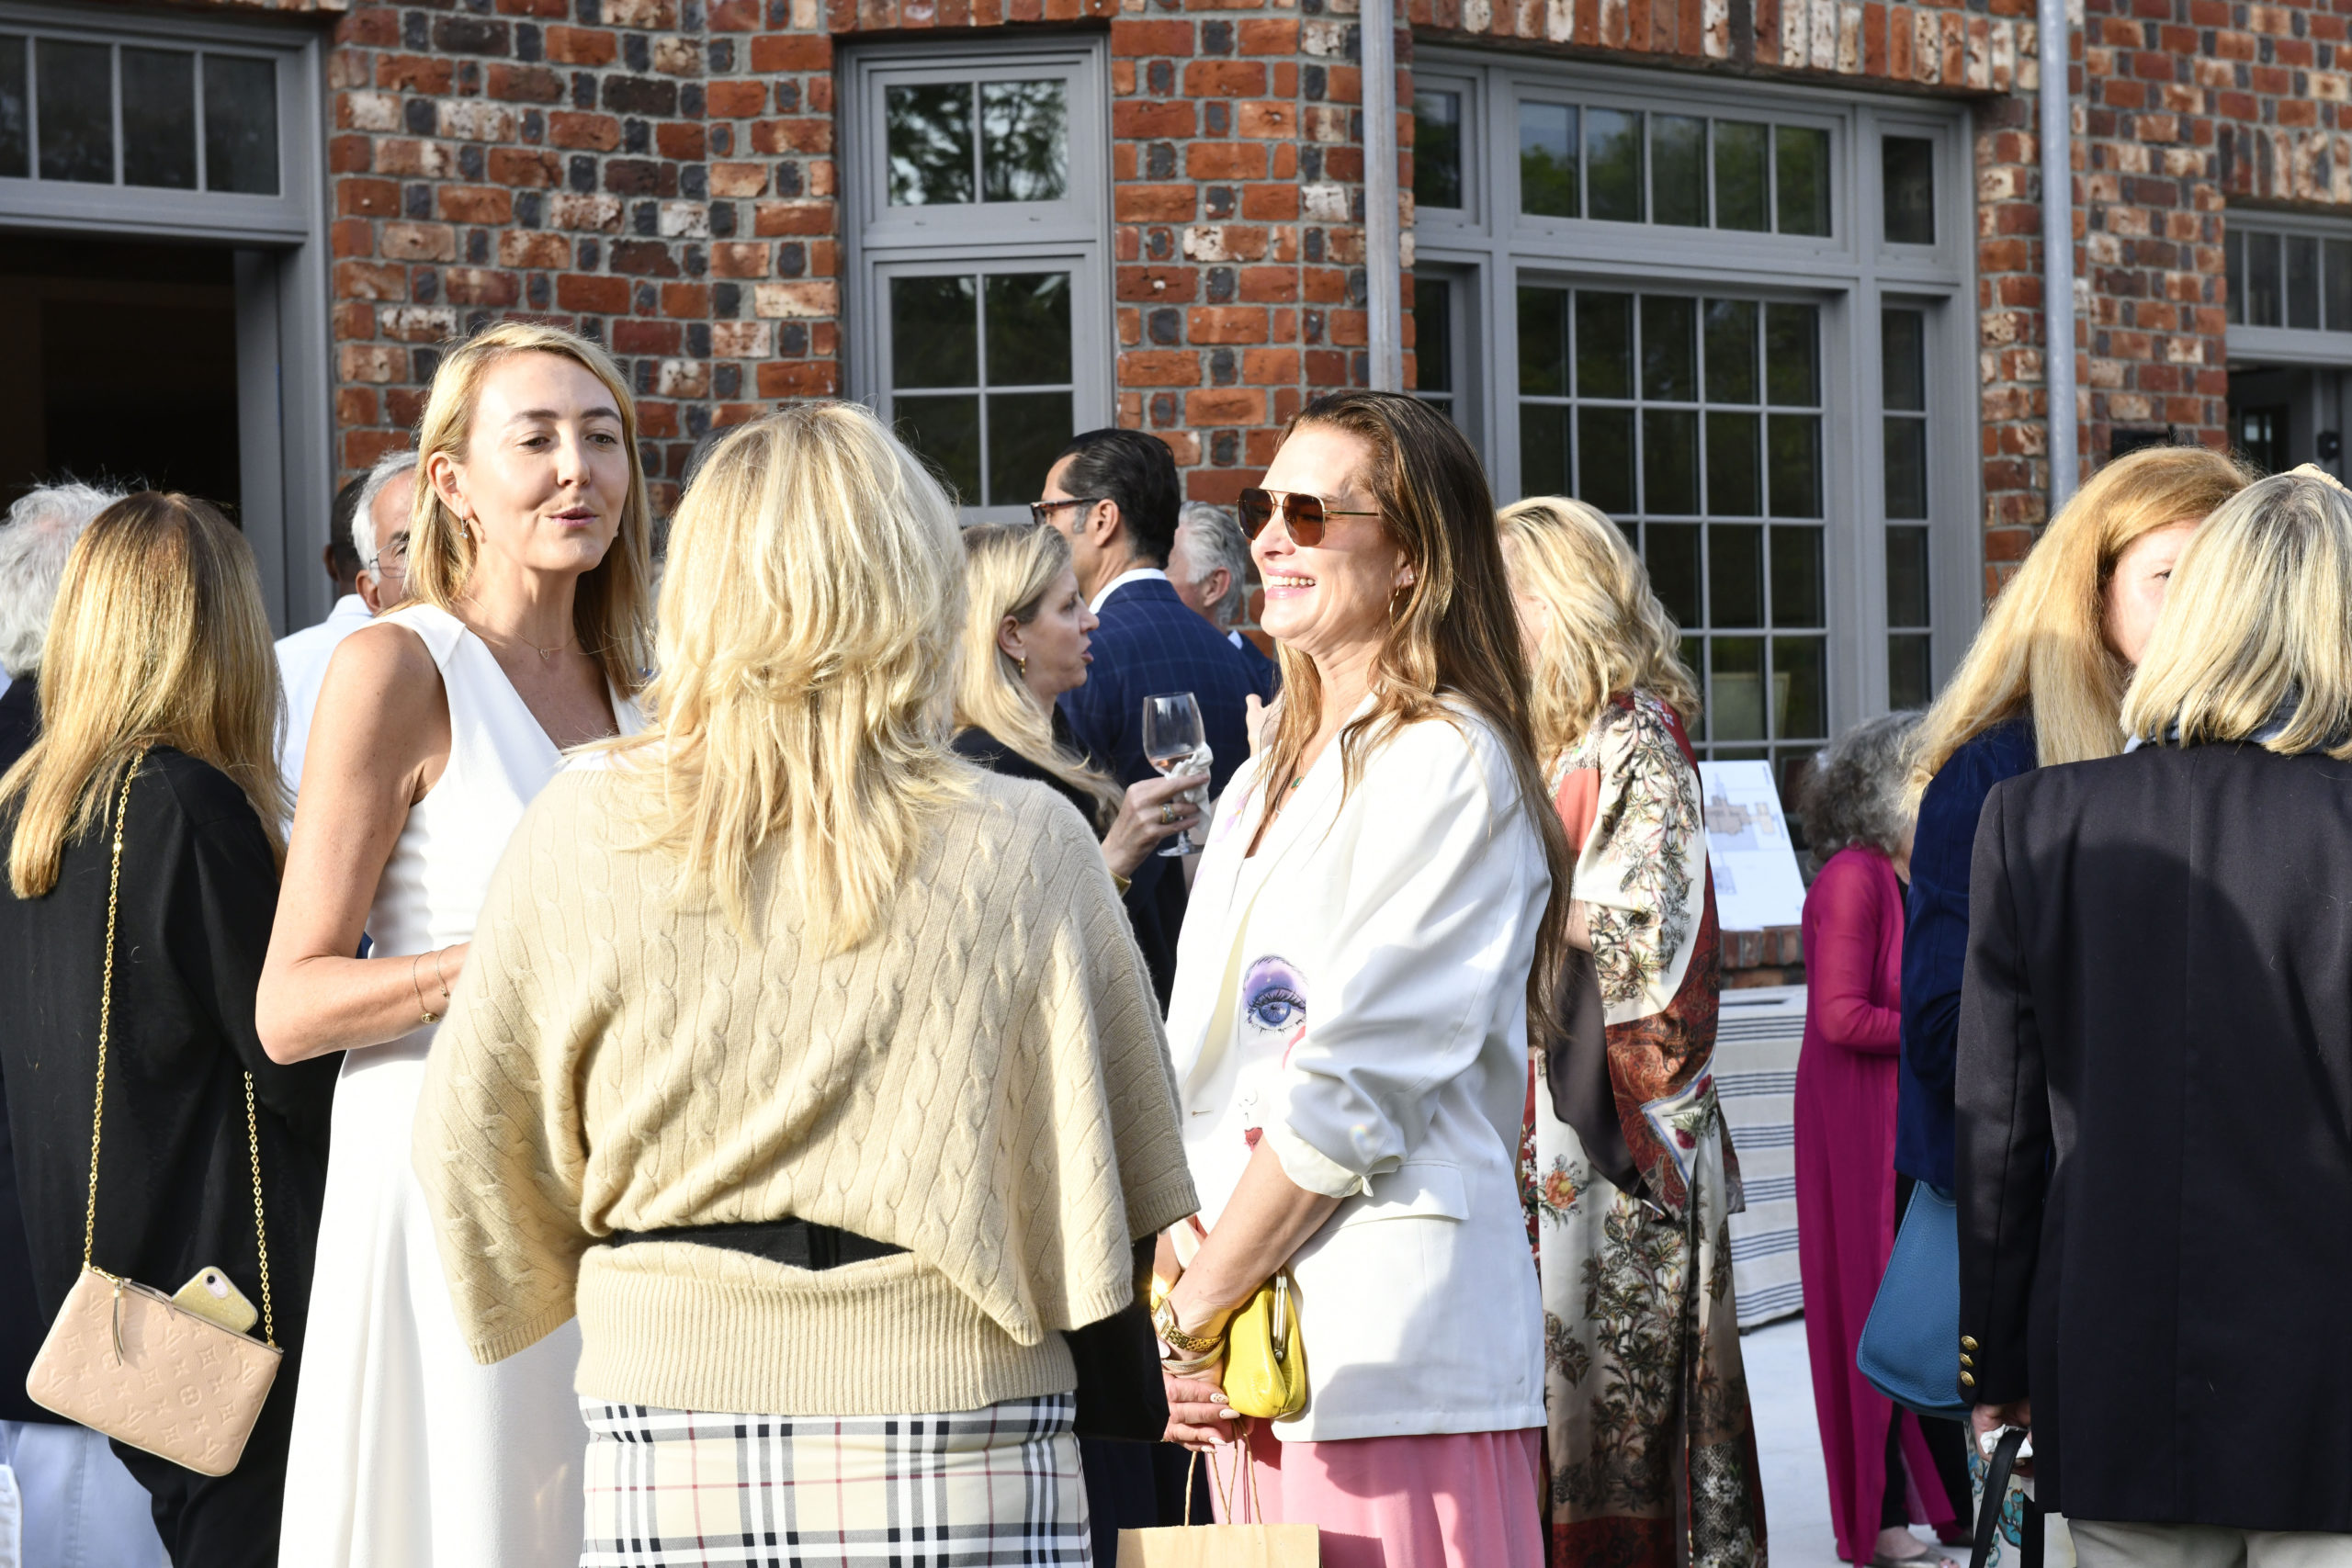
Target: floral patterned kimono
1650, 1446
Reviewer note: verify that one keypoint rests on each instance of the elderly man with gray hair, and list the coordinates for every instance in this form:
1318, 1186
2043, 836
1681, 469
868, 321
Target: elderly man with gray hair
73, 1502
34, 542
1209, 569
372, 514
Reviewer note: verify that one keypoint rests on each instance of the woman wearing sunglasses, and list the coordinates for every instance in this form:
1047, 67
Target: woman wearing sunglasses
1349, 1028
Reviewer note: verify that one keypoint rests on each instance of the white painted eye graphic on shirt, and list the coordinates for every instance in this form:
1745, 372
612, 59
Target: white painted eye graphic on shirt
1274, 1004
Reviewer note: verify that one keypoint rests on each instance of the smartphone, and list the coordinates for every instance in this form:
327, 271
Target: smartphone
213, 1296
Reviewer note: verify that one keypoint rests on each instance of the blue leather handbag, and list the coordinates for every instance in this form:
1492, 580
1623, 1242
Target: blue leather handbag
1910, 1344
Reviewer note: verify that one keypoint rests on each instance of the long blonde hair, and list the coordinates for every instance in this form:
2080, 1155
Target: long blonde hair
609, 609
1609, 632
2254, 620
814, 587
1009, 567
2043, 644
1453, 635
159, 639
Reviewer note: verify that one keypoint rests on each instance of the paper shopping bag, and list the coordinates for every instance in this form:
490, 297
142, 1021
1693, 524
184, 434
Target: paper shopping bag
1253, 1545
1222, 1546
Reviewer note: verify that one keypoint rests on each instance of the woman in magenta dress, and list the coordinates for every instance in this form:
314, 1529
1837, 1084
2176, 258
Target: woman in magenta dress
1881, 1476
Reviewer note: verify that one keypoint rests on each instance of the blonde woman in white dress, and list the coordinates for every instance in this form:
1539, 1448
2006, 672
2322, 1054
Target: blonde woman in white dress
524, 635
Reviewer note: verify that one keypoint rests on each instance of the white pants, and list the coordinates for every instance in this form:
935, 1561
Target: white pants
75, 1505
2100, 1545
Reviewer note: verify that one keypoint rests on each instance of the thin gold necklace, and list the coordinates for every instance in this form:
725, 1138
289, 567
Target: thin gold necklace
546, 655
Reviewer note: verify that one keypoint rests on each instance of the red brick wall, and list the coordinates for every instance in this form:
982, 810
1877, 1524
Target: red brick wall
659, 173
1237, 202
655, 172
2179, 105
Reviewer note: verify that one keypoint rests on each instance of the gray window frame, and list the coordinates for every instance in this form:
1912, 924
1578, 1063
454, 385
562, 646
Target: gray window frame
1461, 300
284, 393
1487, 247
2286, 346
983, 237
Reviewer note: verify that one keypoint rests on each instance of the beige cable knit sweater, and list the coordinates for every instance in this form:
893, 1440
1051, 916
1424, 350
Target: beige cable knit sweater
984, 1082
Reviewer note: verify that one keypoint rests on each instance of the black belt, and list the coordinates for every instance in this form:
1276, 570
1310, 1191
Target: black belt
797, 1243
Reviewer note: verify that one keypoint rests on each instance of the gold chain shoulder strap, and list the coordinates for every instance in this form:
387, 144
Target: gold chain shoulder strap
98, 1104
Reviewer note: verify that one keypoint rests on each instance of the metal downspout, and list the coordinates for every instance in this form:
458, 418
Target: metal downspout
2058, 250
1383, 206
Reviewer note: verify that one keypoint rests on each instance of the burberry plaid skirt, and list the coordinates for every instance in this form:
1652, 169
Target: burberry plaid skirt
990, 1488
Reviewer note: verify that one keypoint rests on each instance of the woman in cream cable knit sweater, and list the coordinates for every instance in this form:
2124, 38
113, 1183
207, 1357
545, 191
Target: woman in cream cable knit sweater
814, 1069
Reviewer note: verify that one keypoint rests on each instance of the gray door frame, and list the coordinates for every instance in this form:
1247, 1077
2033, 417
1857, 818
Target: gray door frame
284, 388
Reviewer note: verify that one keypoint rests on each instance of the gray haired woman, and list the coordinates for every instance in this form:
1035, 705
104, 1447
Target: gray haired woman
1848, 1196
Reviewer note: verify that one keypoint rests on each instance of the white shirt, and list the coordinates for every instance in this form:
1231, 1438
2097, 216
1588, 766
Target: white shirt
301, 665
1233, 637
1138, 574
1355, 995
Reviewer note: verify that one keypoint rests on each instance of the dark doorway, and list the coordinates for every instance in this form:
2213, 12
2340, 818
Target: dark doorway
122, 366
2281, 415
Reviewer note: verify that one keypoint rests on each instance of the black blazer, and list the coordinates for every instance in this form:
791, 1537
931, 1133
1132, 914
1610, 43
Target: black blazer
20, 718
200, 889
2155, 1132
22, 1324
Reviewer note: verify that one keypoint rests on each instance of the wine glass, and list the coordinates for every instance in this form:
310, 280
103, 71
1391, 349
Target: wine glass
1174, 742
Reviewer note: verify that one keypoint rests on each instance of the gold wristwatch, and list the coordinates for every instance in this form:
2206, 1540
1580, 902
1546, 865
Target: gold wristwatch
1163, 1323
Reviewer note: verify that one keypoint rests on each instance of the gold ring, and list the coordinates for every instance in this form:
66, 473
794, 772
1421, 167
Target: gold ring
1167, 814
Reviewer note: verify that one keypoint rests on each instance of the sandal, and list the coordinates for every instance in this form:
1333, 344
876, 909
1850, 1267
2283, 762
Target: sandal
1926, 1557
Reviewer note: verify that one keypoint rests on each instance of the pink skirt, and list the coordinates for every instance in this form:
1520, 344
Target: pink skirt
1452, 1500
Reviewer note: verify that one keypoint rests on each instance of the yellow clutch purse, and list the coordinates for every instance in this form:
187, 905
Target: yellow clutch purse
1265, 1359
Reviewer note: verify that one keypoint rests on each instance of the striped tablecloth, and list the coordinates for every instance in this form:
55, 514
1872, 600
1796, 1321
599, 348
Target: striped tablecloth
1757, 1040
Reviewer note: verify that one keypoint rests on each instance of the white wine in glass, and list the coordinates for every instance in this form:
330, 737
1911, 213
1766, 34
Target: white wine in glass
1174, 742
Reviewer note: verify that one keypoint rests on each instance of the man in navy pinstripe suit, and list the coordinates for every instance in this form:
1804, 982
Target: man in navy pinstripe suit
1113, 493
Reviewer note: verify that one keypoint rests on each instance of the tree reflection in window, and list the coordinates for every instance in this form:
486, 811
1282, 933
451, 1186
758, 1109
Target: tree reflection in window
945, 145
1025, 142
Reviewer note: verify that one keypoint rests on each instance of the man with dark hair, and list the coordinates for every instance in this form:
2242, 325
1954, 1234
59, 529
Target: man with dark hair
340, 556
1114, 494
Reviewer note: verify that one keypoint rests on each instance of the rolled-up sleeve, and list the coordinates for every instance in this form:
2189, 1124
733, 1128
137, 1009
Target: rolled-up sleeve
1428, 950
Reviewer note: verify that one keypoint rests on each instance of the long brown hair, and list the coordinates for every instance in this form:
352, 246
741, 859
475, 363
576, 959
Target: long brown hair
2043, 644
1453, 633
159, 639
610, 606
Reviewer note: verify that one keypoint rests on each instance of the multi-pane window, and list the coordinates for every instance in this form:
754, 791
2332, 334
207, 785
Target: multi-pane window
1433, 342
1695, 421
953, 144
2296, 280
1629, 165
1731, 317
1907, 189
90, 112
980, 374
1902, 400
978, 328
1437, 148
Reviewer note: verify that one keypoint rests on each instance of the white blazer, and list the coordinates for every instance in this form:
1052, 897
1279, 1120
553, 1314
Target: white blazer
1355, 995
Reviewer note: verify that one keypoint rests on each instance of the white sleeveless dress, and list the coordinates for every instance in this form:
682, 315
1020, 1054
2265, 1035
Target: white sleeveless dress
405, 1453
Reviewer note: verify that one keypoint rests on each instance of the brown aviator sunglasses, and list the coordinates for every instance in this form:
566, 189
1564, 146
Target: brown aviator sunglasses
1304, 514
